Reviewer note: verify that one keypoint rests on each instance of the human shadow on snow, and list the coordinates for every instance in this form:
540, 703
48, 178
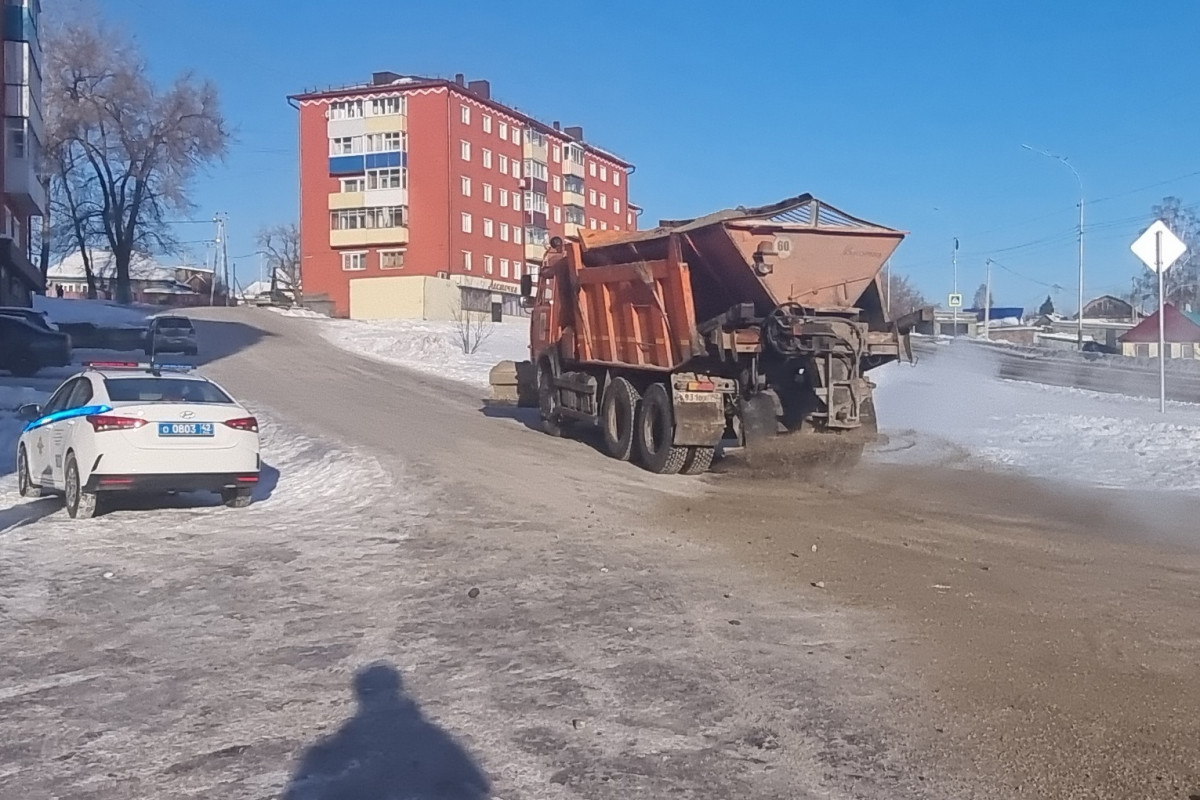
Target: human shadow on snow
388, 749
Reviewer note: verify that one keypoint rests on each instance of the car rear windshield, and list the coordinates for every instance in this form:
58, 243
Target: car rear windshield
182, 323
163, 390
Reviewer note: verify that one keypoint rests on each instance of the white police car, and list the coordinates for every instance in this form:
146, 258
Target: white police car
137, 427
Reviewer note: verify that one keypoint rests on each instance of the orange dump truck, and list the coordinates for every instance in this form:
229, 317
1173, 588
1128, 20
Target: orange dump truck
743, 324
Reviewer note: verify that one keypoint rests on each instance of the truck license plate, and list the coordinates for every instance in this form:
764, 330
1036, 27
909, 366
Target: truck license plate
698, 397
185, 429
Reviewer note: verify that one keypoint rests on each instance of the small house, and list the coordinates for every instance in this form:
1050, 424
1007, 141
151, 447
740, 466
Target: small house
1181, 331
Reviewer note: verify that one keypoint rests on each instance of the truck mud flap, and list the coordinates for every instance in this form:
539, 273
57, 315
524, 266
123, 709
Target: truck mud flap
760, 422
699, 418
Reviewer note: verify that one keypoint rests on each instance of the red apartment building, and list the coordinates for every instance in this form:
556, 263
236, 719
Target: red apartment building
22, 194
417, 194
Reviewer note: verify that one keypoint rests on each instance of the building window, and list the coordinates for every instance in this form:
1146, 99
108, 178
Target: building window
466, 222
517, 270
487, 265
575, 215
574, 184
557, 215
487, 158
629, 219
516, 135
504, 231
556, 153
385, 106
392, 178
391, 259
536, 202
516, 234
465, 148
346, 109
504, 268
1141, 350
575, 154
516, 201
616, 203
387, 142
466, 186
487, 193
339, 146
516, 168
353, 185
592, 223
487, 124
504, 198
466, 255
603, 173
616, 227
504, 164
592, 197
1187, 350
489, 228
603, 225
387, 217
616, 177
604, 201
592, 169
557, 183
349, 219
503, 130
353, 262
465, 114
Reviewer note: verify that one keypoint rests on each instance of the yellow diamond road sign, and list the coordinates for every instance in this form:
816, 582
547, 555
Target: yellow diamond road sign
1147, 248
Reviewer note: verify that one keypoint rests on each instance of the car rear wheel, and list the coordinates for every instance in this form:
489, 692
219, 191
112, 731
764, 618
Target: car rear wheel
80, 504
24, 365
25, 485
237, 498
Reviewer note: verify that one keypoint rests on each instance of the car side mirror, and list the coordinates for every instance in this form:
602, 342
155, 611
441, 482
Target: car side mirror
526, 286
29, 412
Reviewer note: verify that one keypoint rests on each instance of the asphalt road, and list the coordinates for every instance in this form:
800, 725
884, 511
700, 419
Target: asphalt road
787, 634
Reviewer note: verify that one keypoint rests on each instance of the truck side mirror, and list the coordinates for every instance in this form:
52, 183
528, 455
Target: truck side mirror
527, 285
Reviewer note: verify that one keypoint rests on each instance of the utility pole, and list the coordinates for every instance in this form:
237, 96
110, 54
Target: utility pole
1075, 172
212, 281
225, 256
955, 260
987, 303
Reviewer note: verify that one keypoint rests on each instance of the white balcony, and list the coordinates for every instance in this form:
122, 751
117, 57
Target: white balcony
22, 186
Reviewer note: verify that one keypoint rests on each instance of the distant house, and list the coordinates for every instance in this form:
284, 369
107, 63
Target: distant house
1111, 308
1105, 319
1181, 330
151, 282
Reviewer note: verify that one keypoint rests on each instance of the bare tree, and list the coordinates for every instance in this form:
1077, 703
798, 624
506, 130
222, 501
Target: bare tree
903, 297
1181, 283
471, 329
281, 245
135, 147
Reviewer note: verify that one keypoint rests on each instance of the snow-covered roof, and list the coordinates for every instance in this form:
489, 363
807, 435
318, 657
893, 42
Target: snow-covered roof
104, 265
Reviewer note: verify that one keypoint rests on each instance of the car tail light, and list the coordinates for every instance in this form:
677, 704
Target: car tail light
243, 424
106, 422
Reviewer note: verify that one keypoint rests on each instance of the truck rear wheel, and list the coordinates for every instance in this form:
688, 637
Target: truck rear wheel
548, 400
698, 460
654, 433
618, 418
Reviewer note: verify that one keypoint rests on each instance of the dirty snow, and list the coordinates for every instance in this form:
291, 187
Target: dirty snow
431, 347
953, 409
101, 313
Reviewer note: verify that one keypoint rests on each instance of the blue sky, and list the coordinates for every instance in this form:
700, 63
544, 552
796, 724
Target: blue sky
910, 114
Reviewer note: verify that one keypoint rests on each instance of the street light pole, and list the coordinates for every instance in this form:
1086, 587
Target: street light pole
1074, 172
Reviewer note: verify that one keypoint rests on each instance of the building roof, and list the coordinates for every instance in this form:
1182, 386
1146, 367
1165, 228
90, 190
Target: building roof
384, 82
1178, 326
104, 265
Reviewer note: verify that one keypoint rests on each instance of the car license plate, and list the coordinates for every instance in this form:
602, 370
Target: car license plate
185, 429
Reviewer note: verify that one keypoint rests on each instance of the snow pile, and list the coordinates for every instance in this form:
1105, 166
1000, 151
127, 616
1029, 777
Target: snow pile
432, 347
1051, 432
296, 312
101, 313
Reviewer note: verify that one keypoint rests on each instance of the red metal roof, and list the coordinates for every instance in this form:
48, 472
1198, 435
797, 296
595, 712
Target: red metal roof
1178, 326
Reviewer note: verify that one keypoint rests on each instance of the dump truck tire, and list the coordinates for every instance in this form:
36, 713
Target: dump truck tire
654, 433
698, 460
618, 418
548, 401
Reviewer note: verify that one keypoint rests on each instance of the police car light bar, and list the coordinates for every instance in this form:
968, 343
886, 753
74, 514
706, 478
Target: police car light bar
144, 365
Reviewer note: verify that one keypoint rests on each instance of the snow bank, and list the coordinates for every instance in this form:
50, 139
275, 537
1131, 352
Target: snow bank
1051, 432
431, 347
98, 312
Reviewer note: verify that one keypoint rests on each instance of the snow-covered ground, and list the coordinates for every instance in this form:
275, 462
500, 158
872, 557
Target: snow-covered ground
101, 313
431, 347
958, 410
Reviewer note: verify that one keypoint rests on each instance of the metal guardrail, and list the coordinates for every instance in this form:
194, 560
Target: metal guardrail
1134, 377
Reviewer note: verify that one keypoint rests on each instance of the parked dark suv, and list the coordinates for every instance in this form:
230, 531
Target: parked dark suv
27, 348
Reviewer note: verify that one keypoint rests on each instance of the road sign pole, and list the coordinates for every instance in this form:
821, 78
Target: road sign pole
1162, 338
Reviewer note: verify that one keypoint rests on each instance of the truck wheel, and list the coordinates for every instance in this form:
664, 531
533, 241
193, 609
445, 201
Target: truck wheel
548, 401
80, 504
698, 460
25, 485
618, 416
655, 432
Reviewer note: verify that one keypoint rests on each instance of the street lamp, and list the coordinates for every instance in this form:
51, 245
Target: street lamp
1074, 172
